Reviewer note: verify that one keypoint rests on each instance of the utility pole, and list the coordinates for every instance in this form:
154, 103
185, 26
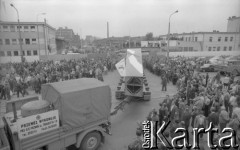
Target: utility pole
169, 34
19, 32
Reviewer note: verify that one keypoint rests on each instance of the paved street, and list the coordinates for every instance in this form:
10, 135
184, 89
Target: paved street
124, 123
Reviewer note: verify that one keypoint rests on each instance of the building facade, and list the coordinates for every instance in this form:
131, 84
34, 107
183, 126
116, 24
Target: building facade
38, 38
69, 37
204, 41
233, 24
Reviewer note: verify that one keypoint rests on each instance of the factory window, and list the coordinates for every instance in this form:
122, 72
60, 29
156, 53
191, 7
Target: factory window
209, 48
218, 48
35, 52
231, 39
196, 39
230, 48
2, 53
27, 41
9, 53
219, 39
28, 53
12, 28
34, 41
224, 48
210, 39
7, 41
15, 53
226, 39
214, 48
20, 40
20, 27
1, 42
5, 28
14, 41
26, 27
32, 27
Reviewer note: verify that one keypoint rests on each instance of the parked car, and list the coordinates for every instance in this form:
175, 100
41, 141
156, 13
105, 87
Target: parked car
207, 68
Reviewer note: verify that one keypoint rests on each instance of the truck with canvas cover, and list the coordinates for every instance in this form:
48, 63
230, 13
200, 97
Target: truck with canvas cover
73, 113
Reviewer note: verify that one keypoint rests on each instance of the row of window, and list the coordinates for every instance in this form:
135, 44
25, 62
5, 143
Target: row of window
18, 53
214, 48
220, 39
14, 28
17, 41
186, 49
195, 39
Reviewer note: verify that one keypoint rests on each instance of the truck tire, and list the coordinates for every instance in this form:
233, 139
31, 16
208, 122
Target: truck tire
91, 141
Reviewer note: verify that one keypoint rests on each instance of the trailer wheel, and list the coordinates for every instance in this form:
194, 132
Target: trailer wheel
91, 141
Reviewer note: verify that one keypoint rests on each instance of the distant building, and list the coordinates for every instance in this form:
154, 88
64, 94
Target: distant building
68, 36
38, 38
233, 24
119, 42
207, 41
65, 33
89, 39
204, 41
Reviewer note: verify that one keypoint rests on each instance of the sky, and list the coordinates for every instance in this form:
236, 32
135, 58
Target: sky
125, 17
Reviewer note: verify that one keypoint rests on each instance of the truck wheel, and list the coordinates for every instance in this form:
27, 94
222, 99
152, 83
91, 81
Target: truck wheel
91, 141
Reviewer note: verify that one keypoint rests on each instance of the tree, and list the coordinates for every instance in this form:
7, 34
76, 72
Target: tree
149, 36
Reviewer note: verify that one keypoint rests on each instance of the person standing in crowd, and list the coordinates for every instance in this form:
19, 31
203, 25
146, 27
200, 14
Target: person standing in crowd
186, 116
213, 117
207, 78
161, 114
164, 83
223, 118
226, 81
200, 121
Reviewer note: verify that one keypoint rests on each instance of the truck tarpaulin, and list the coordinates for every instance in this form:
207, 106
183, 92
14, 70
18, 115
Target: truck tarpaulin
80, 102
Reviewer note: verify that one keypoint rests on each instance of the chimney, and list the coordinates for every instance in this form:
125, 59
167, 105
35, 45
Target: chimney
107, 30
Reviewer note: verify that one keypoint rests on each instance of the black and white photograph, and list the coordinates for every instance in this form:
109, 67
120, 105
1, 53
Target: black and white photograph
119, 74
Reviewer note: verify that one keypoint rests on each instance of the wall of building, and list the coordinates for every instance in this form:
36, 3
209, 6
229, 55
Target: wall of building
35, 40
233, 24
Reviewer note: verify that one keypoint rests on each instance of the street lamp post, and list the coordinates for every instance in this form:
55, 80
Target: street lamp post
20, 36
169, 34
38, 32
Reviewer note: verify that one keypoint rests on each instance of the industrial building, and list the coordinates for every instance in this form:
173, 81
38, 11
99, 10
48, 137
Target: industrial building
207, 41
38, 38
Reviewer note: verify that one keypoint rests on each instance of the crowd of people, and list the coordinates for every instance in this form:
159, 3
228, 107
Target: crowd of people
200, 99
18, 78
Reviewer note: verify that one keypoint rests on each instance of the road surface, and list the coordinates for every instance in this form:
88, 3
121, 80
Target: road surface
124, 123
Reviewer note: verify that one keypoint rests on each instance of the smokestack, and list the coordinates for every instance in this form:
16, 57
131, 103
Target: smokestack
107, 30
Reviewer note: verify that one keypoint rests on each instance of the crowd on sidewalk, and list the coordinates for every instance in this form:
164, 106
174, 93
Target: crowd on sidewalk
18, 78
199, 100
